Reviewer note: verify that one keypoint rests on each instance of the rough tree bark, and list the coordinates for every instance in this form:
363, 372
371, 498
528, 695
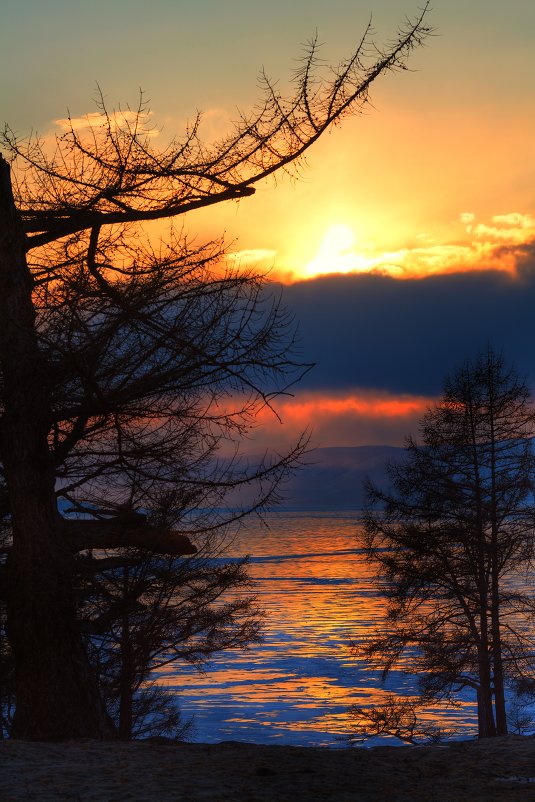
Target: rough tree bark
54, 685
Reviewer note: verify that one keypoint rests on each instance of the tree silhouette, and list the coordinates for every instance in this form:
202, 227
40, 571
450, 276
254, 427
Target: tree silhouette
148, 611
7, 696
121, 358
396, 717
454, 536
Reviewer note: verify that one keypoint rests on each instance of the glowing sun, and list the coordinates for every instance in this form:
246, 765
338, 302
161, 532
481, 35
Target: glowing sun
336, 253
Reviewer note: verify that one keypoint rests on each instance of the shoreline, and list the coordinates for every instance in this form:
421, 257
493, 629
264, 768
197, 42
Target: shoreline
490, 770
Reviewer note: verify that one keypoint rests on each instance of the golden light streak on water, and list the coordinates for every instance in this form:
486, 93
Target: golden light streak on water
296, 687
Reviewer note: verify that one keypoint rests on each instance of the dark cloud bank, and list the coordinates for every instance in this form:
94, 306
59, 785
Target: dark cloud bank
404, 336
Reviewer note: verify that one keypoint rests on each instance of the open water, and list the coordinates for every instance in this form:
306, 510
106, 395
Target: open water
296, 686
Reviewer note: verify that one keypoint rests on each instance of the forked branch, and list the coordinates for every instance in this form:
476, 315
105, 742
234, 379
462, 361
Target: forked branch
113, 174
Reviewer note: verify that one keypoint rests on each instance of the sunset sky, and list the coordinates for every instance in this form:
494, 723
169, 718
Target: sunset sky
409, 241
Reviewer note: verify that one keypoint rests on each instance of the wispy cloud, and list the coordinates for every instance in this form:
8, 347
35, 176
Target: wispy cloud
115, 120
482, 250
513, 229
359, 417
522, 221
251, 256
474, 246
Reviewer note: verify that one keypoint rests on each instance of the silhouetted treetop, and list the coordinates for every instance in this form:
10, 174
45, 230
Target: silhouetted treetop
115, 174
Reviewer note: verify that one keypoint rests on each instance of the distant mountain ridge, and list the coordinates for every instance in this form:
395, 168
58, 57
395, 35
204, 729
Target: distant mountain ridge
332, 478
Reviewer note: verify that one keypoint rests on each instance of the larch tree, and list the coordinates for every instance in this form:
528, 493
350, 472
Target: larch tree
125, 365
454, 537
141, 611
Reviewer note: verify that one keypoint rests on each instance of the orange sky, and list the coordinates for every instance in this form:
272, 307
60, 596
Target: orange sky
438, 177
443, 195
451, 138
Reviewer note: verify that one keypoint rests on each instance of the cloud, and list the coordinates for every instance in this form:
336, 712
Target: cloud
251, 256
483, 252
383, 346
117, 120
467, 218
513, 228
474, 246
404, 336
353, 418
525, 221
501, 233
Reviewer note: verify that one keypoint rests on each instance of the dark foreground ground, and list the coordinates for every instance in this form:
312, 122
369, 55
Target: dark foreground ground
499, 770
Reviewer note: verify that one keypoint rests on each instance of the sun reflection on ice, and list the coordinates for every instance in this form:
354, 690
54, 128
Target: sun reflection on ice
297, 686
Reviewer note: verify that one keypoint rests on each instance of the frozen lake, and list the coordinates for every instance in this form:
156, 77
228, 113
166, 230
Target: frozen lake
295, 687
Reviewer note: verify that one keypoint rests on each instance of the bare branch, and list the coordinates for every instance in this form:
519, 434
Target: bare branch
115, 175
116, 534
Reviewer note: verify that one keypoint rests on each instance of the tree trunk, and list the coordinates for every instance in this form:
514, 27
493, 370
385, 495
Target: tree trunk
499, 684
125, 706
485, 712
56, 693
126, 677
497, 661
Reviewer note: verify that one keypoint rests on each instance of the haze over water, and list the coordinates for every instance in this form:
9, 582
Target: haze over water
295, 687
